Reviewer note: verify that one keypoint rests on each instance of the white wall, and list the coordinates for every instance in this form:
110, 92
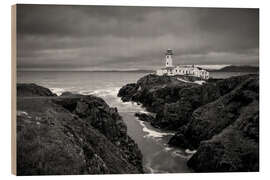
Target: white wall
169, 61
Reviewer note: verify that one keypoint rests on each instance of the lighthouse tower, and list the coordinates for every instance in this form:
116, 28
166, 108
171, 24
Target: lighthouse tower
169, 58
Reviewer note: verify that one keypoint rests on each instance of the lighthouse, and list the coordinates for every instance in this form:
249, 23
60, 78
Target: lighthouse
183, 70
169, 54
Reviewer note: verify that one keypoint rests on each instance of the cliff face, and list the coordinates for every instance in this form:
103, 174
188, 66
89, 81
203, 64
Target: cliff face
234, 149
219, 118
71, 134
226, 131
212, 118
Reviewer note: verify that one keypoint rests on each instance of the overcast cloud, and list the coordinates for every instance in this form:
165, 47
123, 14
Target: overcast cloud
99, 37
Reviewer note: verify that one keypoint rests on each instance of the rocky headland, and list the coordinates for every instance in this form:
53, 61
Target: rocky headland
238, 69
71, 134
218, 118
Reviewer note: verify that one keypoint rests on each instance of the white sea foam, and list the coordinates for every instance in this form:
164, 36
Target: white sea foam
127, 106
180, 79
179, 153
188, 151
153, 133
106, 92
21, 113
195, 82
110, 96
168, 148
144, 112
153, 171
85, 92
199, 82
149, 168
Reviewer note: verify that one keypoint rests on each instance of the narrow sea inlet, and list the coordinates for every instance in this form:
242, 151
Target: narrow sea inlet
157, 156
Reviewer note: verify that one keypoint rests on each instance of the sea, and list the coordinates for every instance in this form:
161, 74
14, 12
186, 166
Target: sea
158, 157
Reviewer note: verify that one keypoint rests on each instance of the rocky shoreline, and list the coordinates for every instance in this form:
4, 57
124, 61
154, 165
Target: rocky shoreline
71, 134
220, 118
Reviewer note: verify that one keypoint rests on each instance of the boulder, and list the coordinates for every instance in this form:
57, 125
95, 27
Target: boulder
32, 90
127, 91
145, 117
67, 93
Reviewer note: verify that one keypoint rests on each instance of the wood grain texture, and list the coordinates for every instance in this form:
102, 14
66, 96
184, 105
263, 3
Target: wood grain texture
13, 88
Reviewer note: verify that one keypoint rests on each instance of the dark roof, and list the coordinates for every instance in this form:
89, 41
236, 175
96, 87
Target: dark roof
169, 52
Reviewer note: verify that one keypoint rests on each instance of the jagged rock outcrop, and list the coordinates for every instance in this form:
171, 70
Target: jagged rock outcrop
128, 91
71, 134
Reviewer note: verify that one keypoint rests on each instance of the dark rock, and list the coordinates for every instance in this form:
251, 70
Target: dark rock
32, 90
179, 140
102, 117
227, 85
151, 80
73, 134
67, 93
235, 149
145, 117
127, 91
212, 118
226, 132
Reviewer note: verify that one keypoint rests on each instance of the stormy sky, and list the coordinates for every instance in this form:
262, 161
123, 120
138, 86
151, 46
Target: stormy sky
105, 38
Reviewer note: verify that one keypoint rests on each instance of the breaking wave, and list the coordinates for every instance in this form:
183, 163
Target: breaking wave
152, 133
102, 92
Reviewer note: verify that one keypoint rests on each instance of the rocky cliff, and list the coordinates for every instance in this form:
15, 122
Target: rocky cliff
71, 134
219, 118
173, 100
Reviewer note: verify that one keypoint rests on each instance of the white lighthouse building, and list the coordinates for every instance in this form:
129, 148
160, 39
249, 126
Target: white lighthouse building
189, 70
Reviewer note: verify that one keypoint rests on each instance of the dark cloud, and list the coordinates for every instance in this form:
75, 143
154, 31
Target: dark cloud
54, 36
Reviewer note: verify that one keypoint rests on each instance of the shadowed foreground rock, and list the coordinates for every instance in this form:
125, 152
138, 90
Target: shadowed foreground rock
71, 134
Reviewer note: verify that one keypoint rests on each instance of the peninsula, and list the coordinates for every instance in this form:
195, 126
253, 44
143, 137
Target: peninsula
217, 119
